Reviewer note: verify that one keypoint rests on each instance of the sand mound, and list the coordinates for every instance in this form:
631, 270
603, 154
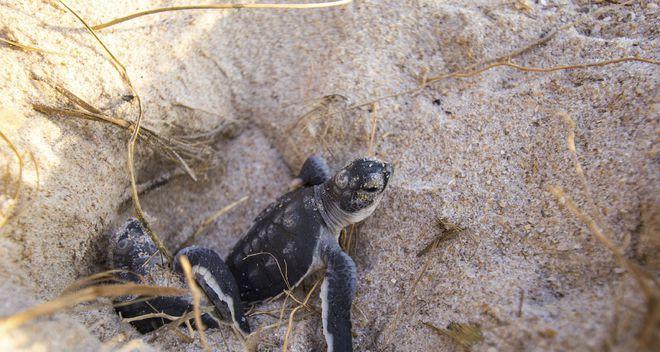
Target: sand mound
278, 85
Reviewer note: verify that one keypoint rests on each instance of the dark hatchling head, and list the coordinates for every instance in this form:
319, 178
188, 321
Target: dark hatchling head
131, 245
356, 190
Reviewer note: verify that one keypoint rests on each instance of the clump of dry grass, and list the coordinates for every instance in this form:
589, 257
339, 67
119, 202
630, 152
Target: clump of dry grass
465, 335
86, 294
302, 304
178, 150
448, 231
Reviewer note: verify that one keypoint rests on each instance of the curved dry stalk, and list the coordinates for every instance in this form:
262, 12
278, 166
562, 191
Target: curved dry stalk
190, 240
133, 141
85, 295
19, 181
221, 7
30, 48
197, 296
605, 235
104, 276
467, 74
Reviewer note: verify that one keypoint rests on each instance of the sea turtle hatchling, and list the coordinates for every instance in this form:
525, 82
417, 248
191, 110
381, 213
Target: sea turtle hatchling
292, 238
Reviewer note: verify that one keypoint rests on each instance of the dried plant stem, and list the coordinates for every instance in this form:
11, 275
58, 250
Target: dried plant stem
197, 296
133, 141
541, 69
220, 7
85, 295
289, 328
649, 292
30, 48
190, 240
604, 234
570, 145
470, 73
547, 37
19, 181
565, 201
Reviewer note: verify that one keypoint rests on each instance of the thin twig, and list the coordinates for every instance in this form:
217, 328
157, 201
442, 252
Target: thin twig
191, 239
30, 48
85, 295
470, 73
196, 295
220, 7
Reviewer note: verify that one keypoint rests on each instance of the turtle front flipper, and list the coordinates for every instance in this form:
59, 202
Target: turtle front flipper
337, 293
314, 171
217, 282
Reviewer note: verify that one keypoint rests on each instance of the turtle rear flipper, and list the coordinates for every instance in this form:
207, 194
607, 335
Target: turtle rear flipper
217, 282
337, 293
133, 253
154, 312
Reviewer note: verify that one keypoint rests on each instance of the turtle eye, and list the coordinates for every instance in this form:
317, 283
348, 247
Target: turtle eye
341, 180
123, 246
371, 189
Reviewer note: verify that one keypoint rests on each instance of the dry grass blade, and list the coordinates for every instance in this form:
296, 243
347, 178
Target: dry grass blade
650, 293
197, 296
104, 276
190, 240
542, 69
346, 238
59, 87
465, 335
289, 328
604, 235
86, 295
221, 7
30, 48
19, 182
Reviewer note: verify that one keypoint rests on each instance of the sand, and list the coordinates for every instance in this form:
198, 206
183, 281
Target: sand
479, 151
